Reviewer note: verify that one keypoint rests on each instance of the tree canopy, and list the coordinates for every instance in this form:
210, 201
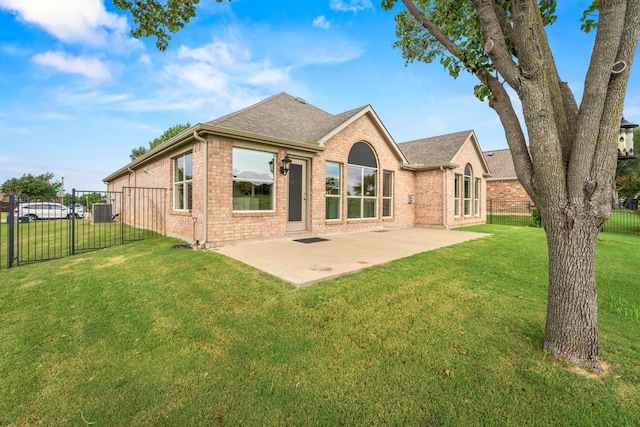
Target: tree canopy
29, 185
167, 135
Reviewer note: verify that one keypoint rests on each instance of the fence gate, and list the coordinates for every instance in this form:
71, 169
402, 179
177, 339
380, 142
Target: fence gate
45, 228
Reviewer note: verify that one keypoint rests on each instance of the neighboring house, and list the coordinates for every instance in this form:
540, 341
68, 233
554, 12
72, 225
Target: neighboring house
503, 185
345, 174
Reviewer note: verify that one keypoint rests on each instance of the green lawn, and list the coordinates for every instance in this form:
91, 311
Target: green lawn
144, 335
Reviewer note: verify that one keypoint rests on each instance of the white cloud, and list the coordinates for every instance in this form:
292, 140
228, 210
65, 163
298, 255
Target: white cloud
215, 67
145, 59
321, 22
88, 67
86, 22
350, 5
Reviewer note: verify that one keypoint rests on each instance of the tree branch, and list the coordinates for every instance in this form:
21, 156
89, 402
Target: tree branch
605, 157
499, 52
596, 93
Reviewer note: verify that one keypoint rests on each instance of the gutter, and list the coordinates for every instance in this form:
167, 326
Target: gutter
205, 206
187, 135
420, 167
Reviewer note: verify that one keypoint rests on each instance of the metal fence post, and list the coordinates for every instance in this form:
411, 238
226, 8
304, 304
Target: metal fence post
11, 223
73, 221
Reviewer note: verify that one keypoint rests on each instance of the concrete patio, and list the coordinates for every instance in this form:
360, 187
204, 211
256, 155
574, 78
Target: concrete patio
328, 256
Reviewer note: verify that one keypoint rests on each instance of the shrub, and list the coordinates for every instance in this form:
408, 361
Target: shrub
536, 220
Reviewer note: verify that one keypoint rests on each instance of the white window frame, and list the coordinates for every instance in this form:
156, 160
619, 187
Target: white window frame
186, 184
467, 190
362, 197
457, 188
333, 196
389, 197
476, 196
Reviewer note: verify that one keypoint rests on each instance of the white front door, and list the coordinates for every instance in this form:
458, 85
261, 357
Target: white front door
297, 196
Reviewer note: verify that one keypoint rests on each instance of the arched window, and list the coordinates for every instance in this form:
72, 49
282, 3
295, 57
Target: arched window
362, 182
467, 189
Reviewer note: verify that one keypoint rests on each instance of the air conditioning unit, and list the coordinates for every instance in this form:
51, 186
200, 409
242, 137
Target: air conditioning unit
102, 213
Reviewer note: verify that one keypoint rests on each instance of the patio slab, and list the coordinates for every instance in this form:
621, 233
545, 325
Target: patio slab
327, 256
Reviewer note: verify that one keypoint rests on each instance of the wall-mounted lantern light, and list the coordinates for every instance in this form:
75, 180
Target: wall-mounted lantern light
626, 150
286, 164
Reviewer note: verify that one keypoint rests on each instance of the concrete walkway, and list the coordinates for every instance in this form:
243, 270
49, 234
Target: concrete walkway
303, 264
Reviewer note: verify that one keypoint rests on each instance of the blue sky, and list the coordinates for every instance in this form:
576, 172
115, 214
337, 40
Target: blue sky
77, 93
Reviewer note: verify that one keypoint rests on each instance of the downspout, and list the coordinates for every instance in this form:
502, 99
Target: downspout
444, 197
135, 176
135, 185
205, 205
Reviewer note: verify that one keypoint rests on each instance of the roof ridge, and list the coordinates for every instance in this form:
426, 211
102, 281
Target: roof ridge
466, 132
250, 107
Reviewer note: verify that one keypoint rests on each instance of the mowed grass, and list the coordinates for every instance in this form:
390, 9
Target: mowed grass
142, 334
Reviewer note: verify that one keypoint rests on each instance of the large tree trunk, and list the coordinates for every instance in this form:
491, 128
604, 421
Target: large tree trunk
572, 313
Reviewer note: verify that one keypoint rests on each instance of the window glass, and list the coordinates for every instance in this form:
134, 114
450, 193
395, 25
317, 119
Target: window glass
476, 200
362, 182
456, 194
387, 194
467, 190
253, 180
333, 191
361, 154
182, 182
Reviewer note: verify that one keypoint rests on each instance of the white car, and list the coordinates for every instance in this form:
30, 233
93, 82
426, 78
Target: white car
79, 210
42, 210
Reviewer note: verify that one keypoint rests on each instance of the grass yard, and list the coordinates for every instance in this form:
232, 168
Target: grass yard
144, 335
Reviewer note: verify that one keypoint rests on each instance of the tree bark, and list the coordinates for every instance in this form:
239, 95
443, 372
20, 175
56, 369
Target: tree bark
571, 331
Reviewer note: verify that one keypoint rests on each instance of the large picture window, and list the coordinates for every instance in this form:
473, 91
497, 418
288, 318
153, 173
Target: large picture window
362, 182
333, 198
253, 180
387, 194
182, 181
467, 190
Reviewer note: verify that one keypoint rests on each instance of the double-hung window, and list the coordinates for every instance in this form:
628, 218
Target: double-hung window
253, 180
182, 181
362, 182
467, 190
476, 197
387, 194
457, 178
333, 194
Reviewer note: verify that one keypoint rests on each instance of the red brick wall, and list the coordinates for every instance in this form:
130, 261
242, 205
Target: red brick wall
507, 190
337, 150
225, 225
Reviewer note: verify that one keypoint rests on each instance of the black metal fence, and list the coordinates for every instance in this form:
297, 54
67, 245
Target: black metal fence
45, 228
519, 213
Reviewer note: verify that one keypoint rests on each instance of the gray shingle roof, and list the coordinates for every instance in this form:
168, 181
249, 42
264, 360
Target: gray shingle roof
437, 150
285, 117
500, 164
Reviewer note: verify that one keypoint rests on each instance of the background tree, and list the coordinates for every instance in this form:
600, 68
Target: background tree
29, 185
570, 168
628, 173
167, 135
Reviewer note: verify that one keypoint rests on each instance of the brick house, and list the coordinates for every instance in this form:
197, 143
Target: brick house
283, 167
503, 184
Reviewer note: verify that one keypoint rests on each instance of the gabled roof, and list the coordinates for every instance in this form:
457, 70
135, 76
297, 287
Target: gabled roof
501, 164
440, 150
280, 116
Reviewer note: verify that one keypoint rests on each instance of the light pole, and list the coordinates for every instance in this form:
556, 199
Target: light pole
61, 192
